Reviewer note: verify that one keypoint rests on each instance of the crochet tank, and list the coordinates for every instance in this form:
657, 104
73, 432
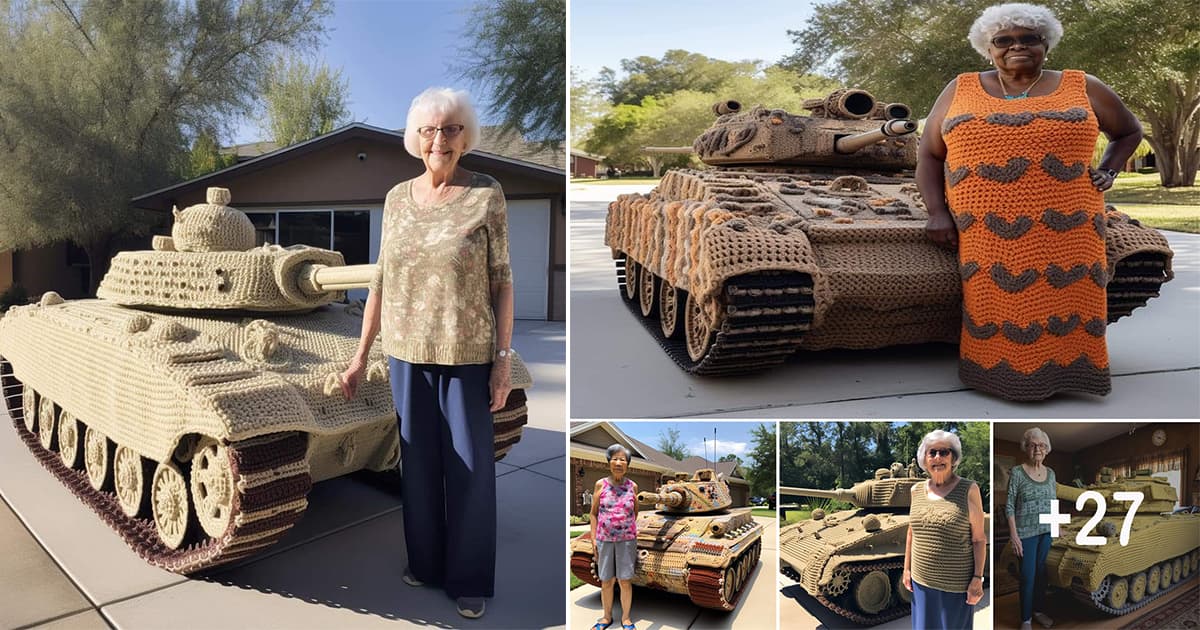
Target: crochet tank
1031, 240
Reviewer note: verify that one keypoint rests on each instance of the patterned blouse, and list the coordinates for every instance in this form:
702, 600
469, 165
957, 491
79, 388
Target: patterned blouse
438, 267
617, 517
1027, 499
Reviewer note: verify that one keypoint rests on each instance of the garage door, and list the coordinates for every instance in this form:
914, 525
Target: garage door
529, 255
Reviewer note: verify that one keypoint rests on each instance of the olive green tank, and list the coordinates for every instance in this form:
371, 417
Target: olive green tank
1162, 550
195, 402
692, 544
851, 561
808, 233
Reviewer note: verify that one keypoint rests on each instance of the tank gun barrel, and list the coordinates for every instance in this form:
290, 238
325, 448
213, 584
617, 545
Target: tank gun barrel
889, 129
316, 279
668, 498
839, 495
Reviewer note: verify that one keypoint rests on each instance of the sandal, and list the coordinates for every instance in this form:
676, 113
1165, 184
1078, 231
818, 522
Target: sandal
601, 625
628, 626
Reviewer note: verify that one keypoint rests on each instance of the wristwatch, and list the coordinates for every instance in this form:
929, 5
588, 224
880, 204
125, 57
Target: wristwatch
1112, 172
980, 578
504, 353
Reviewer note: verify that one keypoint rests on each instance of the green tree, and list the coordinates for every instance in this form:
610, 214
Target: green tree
516, 51
303, 101
205, 156
761, 470
99, 100
587, 107
1147, 50
671, 444
676, 70
615, 135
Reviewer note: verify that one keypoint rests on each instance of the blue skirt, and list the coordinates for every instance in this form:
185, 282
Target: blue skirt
938, 610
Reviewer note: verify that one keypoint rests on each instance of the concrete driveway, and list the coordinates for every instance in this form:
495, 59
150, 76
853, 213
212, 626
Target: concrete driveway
620, 372
339, 567
800, 611
658, 610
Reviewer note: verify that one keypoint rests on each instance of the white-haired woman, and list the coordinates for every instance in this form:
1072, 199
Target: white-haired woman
443, 300
614, 533
1007, 152
946, 547
1031, 488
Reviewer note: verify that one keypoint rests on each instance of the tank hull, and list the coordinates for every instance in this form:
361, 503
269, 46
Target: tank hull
230, 416
680, 553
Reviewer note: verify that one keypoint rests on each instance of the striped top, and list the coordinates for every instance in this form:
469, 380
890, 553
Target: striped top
942, 557
1027, 499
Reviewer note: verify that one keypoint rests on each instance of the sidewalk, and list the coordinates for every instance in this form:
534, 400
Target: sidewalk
621, 372
339, 567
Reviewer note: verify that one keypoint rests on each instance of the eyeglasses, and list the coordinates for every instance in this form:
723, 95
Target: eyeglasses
939, 452
429, 131
1034, 446
1008, 41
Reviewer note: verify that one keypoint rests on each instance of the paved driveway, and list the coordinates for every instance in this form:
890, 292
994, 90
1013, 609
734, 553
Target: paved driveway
618, 371
800, 611
339, 567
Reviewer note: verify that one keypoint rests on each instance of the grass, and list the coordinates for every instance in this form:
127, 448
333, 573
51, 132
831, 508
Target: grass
766, 512
576, 582
1141, 197
577, 534
1165, 217
795, 516
620, 181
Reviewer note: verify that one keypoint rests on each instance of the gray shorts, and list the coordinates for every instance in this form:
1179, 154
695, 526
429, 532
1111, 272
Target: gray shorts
615, 559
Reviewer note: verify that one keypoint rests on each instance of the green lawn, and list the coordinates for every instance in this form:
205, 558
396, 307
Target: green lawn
795, 516
1165, 217
1137, 188
762, 511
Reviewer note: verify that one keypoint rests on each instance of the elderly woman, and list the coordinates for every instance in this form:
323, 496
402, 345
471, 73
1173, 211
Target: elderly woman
947, 546
614, 532
1031, 488
443, 299
1003, 170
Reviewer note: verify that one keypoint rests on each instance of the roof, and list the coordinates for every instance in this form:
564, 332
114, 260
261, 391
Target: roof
655, 456
585, 154
160, 199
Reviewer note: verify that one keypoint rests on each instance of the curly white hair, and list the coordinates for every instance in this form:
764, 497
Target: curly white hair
440, 100
1001, 16
940, 436
1033, 434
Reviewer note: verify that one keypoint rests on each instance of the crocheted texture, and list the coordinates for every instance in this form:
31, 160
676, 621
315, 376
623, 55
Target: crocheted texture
1034, 303
438, 268
260, 279
212, 226
941, 533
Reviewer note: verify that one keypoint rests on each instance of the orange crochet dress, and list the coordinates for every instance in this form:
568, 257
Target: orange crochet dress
1031, 240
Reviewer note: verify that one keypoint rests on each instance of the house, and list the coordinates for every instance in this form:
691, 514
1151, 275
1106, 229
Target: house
584, 164
329, 192
647, 465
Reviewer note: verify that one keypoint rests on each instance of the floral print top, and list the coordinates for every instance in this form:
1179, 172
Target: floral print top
438, 267
617, 517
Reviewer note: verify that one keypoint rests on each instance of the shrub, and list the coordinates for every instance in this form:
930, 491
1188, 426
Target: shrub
15, 295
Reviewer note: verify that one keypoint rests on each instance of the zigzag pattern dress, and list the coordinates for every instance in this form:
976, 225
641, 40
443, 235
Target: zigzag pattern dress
1031, 240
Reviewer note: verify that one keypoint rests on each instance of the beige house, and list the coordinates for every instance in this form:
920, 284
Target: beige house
329, 192
647, 465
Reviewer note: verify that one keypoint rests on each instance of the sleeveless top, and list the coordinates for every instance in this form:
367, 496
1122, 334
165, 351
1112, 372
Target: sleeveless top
1028, 499
942, 555
1031, 240
617, 517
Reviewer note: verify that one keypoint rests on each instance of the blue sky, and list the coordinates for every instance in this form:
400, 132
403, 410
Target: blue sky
389, 51
732, 437
602, 33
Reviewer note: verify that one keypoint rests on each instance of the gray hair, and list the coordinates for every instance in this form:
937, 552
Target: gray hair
940, 436
1001, 16
613, 450
439, 100
1034, 433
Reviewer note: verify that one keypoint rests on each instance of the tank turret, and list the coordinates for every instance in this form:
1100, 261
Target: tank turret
1158, 494
704, 492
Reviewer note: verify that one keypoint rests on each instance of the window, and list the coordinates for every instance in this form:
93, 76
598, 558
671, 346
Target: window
347, 231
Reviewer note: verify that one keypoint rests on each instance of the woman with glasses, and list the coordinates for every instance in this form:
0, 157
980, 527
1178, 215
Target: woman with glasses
1031, 488
1003, 170
946, 547
443, 301
614, 533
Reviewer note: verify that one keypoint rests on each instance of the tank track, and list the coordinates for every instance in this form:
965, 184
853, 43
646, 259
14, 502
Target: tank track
706, 587
1136, 279
1097, 598
262, 513
766, 315
583, 566
897, 610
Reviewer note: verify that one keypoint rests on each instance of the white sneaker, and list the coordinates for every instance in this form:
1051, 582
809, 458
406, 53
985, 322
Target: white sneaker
411, 579
471, 607
1043, 619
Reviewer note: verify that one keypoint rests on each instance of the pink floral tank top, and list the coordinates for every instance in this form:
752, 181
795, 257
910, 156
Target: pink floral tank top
617, 516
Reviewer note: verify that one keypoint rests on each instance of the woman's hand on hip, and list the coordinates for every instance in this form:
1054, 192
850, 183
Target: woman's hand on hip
500, 384
974, 591
1101, 178
350, 379
1016, 545
941, 229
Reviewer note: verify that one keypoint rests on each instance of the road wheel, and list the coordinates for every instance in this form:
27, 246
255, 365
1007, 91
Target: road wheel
129, 481
212, 487
169, 498
699, 333
70, 445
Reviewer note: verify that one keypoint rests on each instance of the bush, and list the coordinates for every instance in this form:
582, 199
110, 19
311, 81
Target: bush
581, 520
16, 295
1146, 170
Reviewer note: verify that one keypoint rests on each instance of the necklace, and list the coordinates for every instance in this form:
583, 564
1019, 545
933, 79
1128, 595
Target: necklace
1024, 94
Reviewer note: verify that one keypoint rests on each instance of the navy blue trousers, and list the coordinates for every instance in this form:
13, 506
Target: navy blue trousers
1034, 551
939, 610
449, 474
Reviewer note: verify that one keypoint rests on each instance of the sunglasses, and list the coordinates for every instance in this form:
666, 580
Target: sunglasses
939, 452
1008, 41
449, 131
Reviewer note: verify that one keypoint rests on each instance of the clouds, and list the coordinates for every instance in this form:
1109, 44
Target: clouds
724, 447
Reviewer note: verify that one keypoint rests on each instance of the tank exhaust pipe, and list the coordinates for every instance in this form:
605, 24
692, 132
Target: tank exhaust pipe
889, 129
720, 108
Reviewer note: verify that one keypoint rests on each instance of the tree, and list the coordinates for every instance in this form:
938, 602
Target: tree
907, 51
671, 444
517, 52
676, 70
587, 107
761, 470
99, 100
303, 101
205, 156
